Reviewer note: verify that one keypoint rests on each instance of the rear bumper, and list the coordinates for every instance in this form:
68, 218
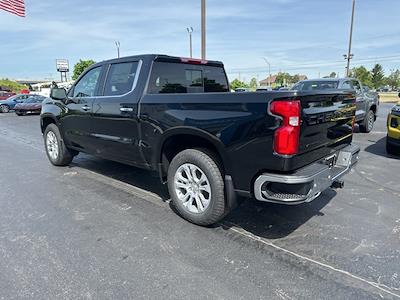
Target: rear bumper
307, 183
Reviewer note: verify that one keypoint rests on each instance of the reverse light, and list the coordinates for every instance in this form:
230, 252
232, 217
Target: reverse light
287, 136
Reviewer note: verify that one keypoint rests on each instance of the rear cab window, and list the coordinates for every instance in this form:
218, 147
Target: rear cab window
171, 77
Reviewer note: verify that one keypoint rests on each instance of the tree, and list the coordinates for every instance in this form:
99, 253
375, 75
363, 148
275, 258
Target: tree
80, 66
13, 86
295, 78
362, 74
283, 79
393, 80
236, 83
253, 83
332, 75
377, 76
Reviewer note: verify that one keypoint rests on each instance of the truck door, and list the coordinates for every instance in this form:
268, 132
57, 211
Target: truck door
76, 122
115, 114
360, 101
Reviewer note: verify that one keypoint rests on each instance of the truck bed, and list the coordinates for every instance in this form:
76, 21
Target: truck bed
242, 129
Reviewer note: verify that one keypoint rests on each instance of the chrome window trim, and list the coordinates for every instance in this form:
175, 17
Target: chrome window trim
135, 81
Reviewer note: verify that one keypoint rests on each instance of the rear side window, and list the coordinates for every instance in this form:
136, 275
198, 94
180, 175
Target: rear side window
120, 78
167, 78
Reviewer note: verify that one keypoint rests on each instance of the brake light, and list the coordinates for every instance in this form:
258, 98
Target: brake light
194, 61
286, 139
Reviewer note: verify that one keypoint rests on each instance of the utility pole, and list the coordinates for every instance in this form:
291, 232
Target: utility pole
118, 44
190, 31
269, 71
349, 55
203, 29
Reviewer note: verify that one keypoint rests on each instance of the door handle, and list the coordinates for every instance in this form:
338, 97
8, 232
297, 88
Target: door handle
86, 108
126, 109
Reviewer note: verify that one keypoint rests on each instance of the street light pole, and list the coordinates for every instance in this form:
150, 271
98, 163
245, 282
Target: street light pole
118, 44
349, 55
203, 29
190, 31
269, 70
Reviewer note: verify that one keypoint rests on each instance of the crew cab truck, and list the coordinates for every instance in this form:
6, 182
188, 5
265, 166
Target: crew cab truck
176, 117
367, 102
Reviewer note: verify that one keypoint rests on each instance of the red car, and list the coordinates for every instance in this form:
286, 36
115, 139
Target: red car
5, 95
32, 105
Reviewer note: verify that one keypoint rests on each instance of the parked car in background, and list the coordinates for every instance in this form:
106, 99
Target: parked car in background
176, 116
9, 104
242, 90
32, 105
5, 95
367, 102
264, 89
393, 130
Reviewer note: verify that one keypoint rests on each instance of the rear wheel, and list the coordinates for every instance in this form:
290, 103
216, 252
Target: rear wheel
4, 108
19, 113
196, 187
368, 123
57, 152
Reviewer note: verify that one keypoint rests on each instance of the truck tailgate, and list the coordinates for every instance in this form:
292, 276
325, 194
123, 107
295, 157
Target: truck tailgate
327, 125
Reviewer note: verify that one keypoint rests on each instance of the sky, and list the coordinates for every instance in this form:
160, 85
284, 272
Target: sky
296, 36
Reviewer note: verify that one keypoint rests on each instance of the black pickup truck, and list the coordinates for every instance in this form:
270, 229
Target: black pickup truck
176, 116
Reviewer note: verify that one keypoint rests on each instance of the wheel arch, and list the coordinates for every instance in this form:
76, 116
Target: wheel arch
45, 120
178, 139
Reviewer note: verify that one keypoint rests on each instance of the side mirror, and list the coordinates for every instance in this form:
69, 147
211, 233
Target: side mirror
398, 95
58, 94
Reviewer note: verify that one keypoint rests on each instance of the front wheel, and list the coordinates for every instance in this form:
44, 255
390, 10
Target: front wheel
4, 108
196, 187
57, 152
368, 123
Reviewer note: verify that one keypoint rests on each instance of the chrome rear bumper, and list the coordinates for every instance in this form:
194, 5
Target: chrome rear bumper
307, 183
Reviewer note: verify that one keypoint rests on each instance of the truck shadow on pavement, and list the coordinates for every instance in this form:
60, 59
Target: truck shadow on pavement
379, 148
266, 220
274, 221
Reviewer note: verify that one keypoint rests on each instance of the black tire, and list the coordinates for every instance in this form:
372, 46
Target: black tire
368, 123
207, 164
391, 149
4, 108
64, 155
19, 113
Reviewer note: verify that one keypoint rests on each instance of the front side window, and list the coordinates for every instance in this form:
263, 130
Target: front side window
347, 85
120, 78
86, 87
356, 86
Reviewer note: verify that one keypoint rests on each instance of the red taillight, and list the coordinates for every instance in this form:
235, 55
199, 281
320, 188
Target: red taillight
286, 139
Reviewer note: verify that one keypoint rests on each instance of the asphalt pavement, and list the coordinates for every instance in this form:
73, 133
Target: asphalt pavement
102, 230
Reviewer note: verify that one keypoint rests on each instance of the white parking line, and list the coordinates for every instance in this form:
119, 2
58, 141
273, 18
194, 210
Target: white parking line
379, 286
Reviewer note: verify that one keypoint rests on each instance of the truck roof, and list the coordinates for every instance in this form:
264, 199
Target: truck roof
164, 58
329, 79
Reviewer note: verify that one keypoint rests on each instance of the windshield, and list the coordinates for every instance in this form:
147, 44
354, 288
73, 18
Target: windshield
315, 85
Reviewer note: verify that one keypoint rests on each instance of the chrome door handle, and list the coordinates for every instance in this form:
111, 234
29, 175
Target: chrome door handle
126, 109
86, 108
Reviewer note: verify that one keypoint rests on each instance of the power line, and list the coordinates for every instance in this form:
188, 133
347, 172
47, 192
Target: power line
307, 65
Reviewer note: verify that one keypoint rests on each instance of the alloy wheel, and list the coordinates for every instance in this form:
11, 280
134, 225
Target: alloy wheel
192, 188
